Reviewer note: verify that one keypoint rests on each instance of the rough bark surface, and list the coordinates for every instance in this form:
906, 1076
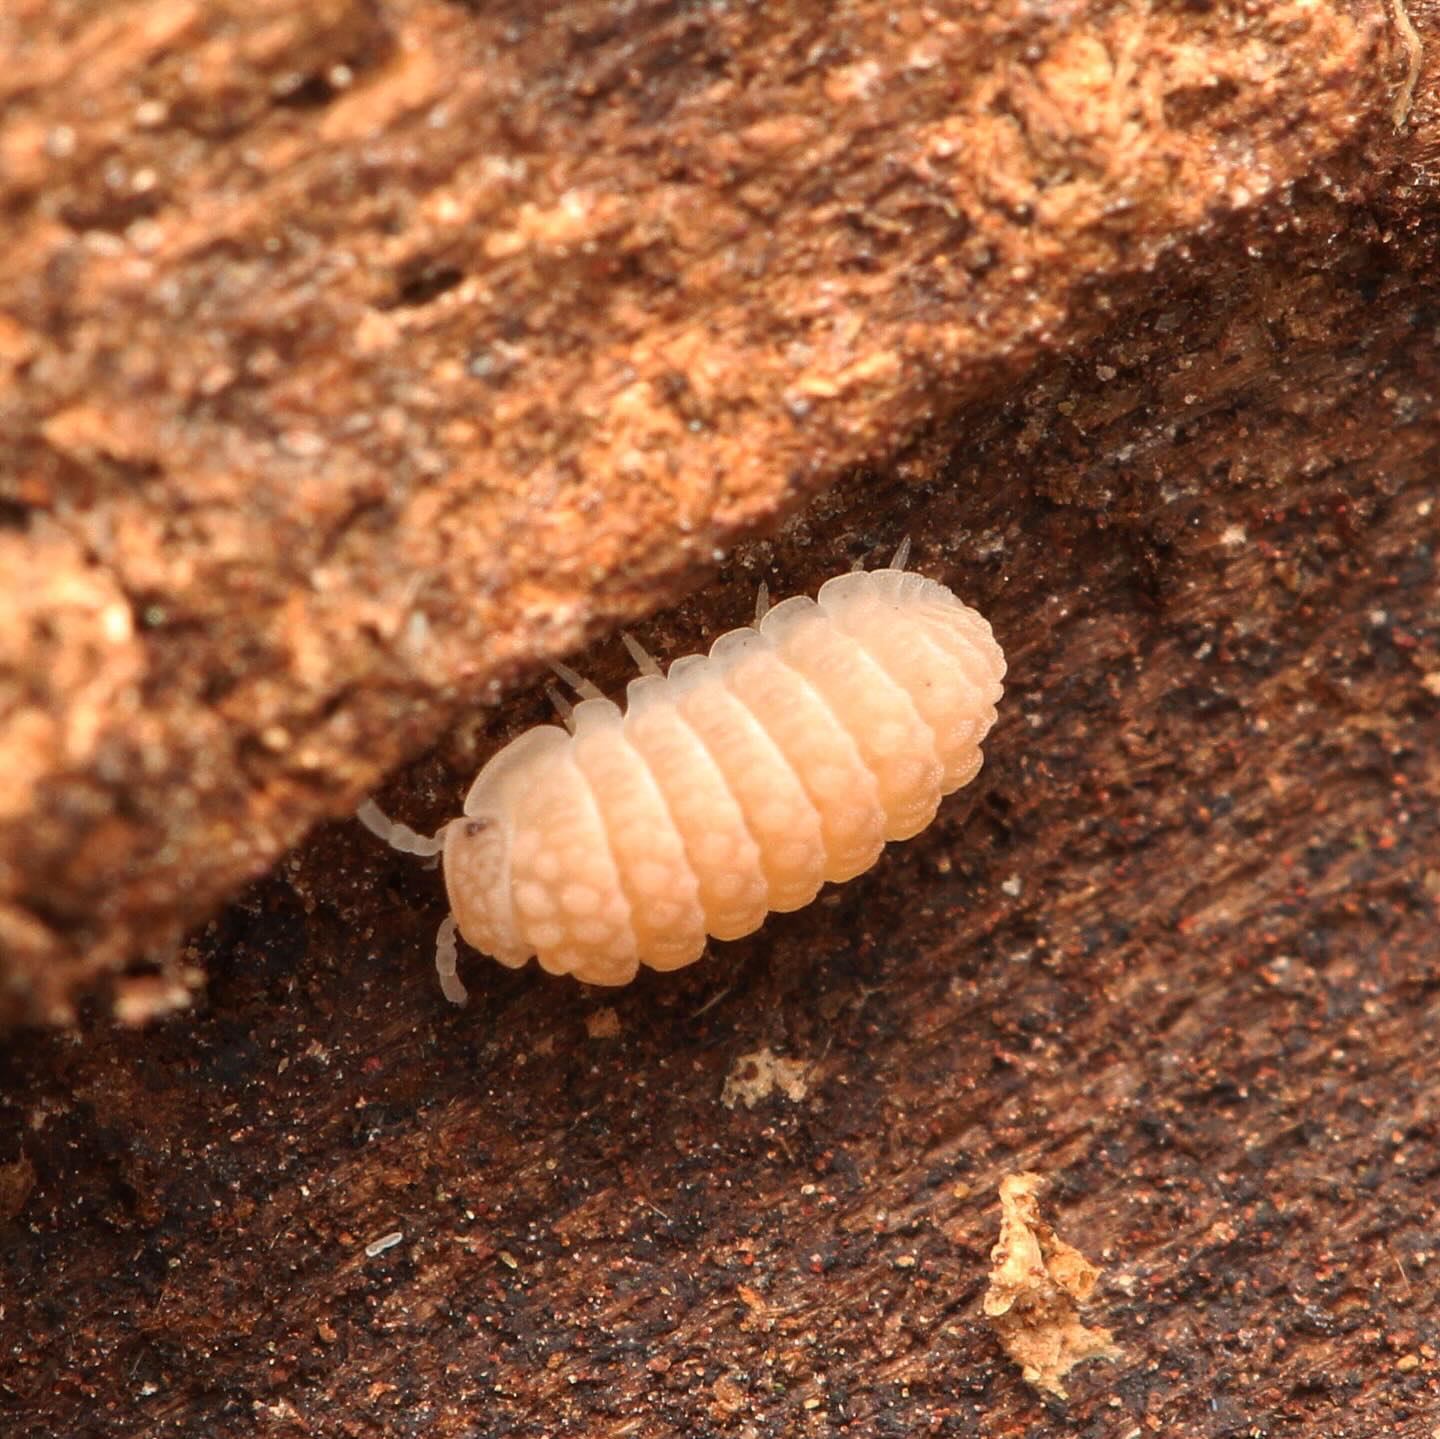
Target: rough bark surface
1177, 951
356, 354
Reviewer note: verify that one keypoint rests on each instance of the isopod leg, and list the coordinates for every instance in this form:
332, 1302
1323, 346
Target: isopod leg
563, 707
762, 603
399, 836
644, 660
897, 561
577, 682
447, 956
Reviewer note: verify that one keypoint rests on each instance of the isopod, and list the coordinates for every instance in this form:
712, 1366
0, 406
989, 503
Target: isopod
735, 783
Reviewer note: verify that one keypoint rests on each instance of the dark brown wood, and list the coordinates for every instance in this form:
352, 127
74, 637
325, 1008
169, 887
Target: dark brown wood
1177, 950
354, 356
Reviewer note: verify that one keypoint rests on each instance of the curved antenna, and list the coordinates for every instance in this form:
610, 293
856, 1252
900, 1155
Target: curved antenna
644, 660
762, 603
901, 555
399, 836
447, 956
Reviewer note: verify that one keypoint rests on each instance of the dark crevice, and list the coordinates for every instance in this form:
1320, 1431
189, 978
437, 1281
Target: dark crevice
14, 515
422, 283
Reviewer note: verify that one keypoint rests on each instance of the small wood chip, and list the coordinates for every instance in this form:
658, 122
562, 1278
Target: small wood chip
1037, 1284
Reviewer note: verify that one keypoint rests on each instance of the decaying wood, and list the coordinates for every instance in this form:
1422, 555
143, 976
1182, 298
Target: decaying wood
1179, 956
1177, 951
356, 355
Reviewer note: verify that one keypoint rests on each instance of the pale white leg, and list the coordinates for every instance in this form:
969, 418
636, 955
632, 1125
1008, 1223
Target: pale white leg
896, 563
399, 836
644, 660
447, 954
762, 603
563, 707
577, 682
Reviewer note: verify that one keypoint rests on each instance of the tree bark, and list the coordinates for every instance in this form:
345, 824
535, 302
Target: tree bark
1176, 950
361, 355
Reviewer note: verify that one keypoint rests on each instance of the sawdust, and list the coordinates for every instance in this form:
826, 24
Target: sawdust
759, 1074
1037, 1285
602, 1024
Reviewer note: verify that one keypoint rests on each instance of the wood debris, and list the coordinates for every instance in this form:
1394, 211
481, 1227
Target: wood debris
1037, 1286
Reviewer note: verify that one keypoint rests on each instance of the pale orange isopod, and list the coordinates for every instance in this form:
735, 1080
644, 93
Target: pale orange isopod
735, 783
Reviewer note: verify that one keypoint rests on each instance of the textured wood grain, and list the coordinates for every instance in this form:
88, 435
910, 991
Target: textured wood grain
357, 355
1179, 955
1178, 950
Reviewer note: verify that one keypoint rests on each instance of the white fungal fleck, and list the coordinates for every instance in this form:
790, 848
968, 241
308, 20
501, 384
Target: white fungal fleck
761, 1073
385, 1241
733, 783
302, 443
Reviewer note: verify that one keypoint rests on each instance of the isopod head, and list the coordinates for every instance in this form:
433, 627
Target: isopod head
477, 849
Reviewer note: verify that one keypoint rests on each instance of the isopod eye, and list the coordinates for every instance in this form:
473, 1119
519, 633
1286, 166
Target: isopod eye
475, 826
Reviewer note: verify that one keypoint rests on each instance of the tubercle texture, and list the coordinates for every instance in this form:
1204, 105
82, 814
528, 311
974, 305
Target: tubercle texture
742, 780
